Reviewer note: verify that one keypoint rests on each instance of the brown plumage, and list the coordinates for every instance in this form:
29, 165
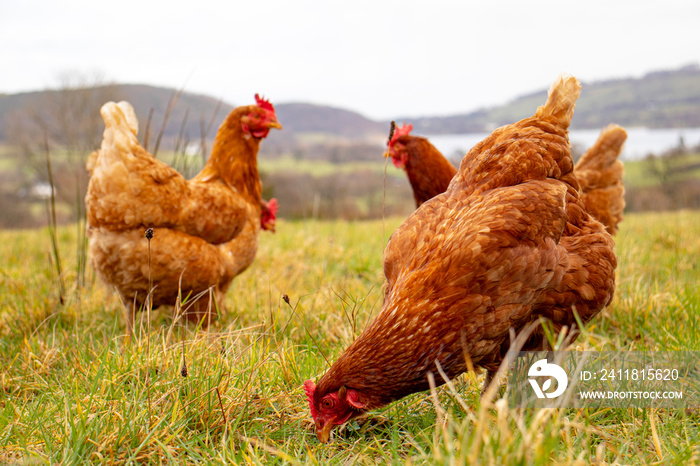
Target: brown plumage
205, 229
599, 172
507, 243
428, 171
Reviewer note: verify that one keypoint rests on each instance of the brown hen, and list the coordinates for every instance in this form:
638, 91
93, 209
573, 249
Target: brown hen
205, 229
508, 243
599, 171
428, 171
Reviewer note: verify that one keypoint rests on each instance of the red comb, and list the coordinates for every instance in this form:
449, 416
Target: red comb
402, 131
263, 103
309, 388
273, 206
268, 214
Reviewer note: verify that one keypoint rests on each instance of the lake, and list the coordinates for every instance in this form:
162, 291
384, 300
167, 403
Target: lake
640, 141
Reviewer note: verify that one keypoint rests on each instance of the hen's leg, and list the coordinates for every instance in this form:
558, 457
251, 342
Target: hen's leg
203, 309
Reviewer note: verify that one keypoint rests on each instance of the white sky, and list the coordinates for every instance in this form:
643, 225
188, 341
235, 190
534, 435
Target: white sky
384, 59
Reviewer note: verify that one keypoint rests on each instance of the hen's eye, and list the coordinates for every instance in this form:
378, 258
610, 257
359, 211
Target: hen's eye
327, 403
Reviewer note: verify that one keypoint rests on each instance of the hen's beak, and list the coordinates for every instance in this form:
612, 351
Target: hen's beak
323, 432
386, 154
270, 226
274, 124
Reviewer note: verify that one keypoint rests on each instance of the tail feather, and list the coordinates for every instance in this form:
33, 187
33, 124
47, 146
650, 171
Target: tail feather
561, 101
600, 173
606, 150
128, 186
131, 121
119, 137
120, 116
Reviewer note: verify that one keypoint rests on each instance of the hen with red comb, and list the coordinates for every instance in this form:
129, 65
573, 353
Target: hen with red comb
206, 228
428, 171
509, 244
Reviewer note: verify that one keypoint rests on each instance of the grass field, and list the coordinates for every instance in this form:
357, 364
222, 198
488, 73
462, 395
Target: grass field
74, 389
637, 172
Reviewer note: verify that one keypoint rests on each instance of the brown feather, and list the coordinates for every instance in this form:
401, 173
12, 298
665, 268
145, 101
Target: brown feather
206, 228
508, 242
600, 173
429, 172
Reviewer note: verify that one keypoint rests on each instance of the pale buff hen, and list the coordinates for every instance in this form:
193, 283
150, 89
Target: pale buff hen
205, 229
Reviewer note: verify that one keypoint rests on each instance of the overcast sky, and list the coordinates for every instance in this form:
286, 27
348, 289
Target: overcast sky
383, 59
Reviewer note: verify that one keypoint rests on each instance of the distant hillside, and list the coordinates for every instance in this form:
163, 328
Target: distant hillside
49, 103
308, 118
662, 99
197, 112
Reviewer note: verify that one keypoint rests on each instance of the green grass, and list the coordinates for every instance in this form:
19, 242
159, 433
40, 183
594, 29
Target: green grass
75, 390
288, 164
637, 174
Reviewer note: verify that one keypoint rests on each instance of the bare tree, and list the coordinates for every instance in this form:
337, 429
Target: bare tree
673, 171
70, 117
